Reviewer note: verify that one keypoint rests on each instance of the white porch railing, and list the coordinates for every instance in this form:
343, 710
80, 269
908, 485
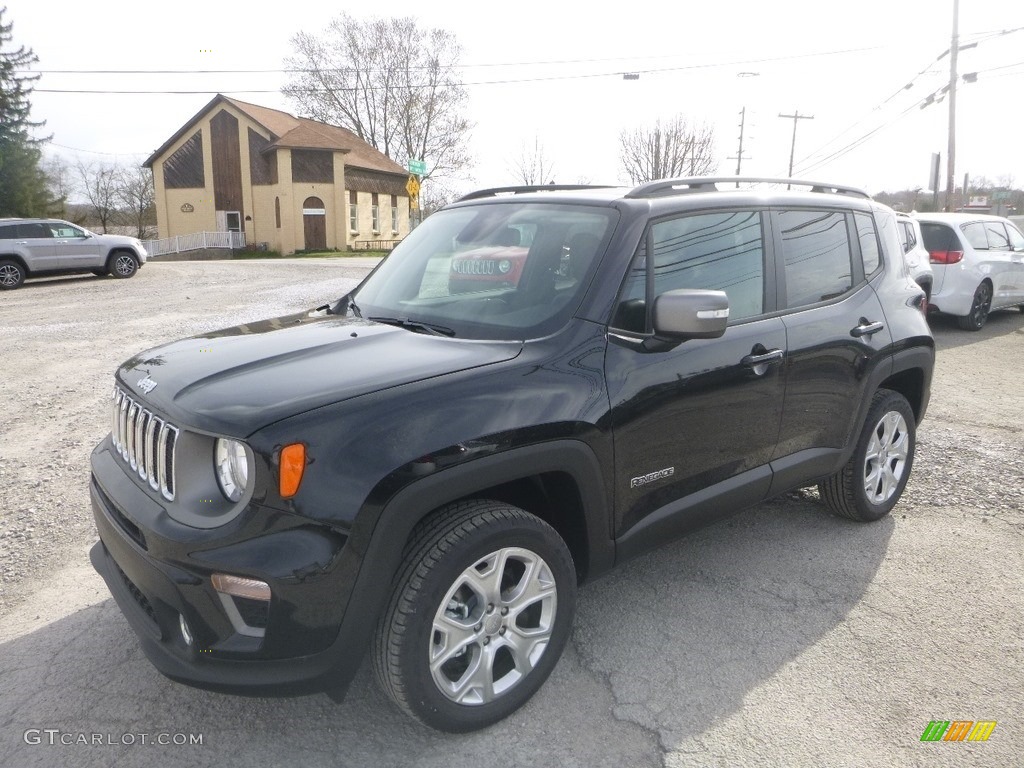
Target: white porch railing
194, 242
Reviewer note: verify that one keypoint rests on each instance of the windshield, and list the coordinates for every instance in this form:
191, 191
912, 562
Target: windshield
496, 271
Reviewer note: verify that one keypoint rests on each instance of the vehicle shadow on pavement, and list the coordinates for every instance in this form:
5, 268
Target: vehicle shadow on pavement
686, 633
663, 648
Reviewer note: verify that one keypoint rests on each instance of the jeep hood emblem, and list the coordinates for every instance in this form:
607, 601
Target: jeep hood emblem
146, 384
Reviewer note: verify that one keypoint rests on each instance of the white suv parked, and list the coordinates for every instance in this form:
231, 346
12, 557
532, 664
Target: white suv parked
978, 261
915, 255
41, 247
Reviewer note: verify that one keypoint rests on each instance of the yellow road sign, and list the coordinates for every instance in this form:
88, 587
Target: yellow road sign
412, 186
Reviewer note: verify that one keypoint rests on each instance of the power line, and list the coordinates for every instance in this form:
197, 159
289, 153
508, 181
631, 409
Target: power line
303, 70
551, 78
855, 143
977, 38
94, 152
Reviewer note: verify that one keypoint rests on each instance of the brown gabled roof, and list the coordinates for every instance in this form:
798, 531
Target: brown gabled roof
292, 132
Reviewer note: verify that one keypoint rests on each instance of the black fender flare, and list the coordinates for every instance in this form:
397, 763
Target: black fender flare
382, 539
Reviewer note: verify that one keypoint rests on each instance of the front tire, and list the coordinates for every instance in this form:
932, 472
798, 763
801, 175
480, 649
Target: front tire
872, 481
12, 275
980, 307
478, 617
123, 265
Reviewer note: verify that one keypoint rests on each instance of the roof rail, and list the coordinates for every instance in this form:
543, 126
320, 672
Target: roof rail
495, 191
665, 187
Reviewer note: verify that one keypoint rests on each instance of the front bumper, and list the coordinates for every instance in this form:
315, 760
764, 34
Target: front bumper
158, 571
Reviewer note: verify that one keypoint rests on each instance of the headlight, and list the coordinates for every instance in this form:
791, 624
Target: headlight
504, 266
232, 467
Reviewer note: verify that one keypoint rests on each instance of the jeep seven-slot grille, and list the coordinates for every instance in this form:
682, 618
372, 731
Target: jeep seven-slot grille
145, 441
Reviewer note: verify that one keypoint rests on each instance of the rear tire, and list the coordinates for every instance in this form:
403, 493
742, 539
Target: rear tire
980, 307
479, 615
12, 275
872, 481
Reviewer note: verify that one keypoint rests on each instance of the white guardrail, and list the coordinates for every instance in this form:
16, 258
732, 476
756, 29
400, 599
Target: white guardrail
194, 242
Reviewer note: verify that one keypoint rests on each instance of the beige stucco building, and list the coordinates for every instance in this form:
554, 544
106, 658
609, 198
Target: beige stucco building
292, 183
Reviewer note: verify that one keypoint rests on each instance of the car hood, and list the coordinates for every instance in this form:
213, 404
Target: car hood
238, 380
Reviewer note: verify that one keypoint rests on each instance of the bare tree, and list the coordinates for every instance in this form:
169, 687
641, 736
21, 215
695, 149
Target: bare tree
667, 151
99, 187
391, 83
531, 166
134, 187
435, 197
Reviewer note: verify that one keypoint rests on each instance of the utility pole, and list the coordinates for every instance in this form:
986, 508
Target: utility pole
739, 153
792, 149
951, 151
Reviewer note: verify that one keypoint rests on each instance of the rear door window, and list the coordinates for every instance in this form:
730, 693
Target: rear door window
34, 229
817, 256
976, 235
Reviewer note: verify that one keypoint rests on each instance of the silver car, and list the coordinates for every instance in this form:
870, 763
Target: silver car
978, 261
41, 247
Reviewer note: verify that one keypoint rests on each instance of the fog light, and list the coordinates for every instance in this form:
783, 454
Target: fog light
186, 633
238, 586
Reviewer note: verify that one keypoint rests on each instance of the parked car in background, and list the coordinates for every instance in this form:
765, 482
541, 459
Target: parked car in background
978, 265
43, 247
914, 253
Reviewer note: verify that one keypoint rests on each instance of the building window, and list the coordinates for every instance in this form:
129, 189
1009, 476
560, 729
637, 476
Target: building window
277, 211
353, 211
394, 214
375, 213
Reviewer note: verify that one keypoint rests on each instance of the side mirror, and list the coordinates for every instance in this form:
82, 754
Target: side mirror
691, 314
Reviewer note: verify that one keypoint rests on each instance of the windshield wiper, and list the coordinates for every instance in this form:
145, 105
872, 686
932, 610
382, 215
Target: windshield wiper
414, 325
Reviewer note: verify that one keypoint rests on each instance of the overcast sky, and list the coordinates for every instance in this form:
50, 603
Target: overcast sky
844, 63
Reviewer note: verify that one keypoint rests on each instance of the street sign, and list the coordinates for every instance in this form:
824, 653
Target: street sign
418, 167
412, 186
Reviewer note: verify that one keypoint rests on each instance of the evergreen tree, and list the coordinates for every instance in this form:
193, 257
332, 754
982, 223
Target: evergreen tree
23, 183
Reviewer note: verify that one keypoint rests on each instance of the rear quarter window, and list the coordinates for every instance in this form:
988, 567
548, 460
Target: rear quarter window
976, 235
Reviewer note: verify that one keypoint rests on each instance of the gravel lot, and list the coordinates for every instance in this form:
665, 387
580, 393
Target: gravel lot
781, 637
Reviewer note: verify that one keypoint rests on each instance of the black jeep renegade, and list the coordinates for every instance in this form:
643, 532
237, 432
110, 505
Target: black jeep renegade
537, 384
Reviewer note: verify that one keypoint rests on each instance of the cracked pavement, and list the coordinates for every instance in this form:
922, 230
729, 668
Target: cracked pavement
780, 637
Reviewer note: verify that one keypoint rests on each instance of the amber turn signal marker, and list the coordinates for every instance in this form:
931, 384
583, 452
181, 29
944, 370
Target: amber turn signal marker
293, 464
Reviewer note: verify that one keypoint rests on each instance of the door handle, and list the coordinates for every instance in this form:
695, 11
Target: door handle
866, 328
770, 356
21, 242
